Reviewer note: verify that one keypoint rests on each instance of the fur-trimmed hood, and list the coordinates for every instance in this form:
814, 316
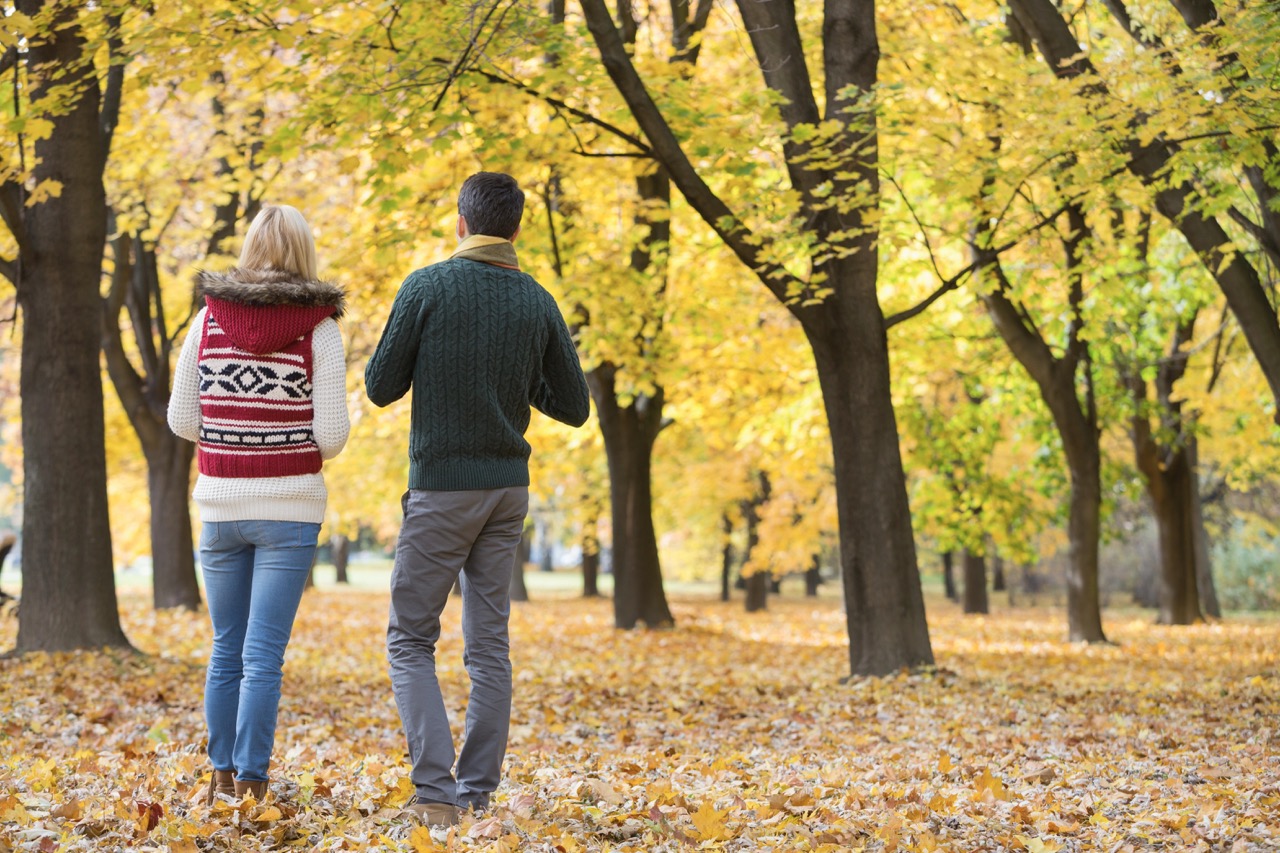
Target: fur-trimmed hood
262, 310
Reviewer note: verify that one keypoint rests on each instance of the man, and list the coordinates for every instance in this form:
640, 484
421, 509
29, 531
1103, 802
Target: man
479, 341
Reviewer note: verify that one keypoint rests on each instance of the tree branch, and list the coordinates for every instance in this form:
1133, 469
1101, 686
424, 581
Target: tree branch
667, 150
109, 113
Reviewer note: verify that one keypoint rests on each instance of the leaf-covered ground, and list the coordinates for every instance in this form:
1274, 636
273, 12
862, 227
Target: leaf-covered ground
732, 732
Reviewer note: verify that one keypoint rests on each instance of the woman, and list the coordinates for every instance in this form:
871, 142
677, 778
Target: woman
261, 389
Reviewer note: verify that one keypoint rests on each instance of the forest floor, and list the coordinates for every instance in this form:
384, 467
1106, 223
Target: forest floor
731, 732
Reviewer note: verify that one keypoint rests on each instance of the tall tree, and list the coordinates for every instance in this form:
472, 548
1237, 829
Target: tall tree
68, 589
836, 303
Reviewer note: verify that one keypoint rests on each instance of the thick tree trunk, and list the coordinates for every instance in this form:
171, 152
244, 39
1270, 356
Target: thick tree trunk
629, 432
1084, 530
340, 553
884, 605
1171, 500
173, 582
949, 576
757, 592
68, 585
1204, 567
975, 583
520, 592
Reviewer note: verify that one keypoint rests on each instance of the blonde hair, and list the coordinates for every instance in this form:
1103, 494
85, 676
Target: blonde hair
280, 239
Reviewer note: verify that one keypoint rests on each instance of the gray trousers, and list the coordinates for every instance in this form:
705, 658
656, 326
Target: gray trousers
444, 533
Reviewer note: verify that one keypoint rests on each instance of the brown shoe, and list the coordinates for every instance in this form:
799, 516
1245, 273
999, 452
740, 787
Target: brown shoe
221, 782
432, 814
258, 789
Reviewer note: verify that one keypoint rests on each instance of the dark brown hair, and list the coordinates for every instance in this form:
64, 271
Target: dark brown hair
492, 204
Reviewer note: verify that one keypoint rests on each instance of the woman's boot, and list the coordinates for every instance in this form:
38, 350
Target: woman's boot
222, 782
258, 789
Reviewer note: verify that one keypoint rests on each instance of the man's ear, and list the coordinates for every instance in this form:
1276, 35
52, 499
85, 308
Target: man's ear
515, 235
461, 229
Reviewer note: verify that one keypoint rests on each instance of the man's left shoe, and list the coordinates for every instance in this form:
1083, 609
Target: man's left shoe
256, 787
433, 814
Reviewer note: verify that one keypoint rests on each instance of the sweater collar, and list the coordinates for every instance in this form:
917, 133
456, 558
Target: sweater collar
488, 250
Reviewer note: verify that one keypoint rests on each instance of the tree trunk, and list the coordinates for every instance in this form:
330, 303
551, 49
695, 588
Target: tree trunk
997, 574
726, 556
949, 576
884, 605
1204, 567
340, 553
173, 581
1084, 606
68, 584
975, 583
812, 579
546, 546
520, 592
757, 584
590, 558
629, 432
1171, 500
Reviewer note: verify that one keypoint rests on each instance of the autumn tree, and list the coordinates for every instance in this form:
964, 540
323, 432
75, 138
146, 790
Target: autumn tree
65, 109
835, 302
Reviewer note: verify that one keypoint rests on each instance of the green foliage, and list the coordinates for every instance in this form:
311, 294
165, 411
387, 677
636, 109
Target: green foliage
1246, 569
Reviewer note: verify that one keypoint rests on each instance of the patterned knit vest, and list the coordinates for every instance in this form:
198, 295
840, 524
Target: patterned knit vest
255, 409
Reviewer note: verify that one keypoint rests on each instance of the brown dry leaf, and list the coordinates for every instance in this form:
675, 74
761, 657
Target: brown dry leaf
1165, 741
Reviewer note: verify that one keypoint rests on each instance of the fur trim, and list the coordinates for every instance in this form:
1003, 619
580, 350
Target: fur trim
270, 287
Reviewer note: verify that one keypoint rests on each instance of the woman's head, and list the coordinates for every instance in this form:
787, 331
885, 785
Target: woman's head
280, 239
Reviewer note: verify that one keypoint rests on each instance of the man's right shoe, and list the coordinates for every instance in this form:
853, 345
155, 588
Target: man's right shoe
433, 814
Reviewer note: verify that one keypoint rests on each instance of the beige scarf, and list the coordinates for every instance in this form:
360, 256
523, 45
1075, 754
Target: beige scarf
488, 250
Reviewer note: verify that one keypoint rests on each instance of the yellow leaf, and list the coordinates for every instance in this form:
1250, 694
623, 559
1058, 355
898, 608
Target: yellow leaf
710, 823
422, 841
944, 763
269, 813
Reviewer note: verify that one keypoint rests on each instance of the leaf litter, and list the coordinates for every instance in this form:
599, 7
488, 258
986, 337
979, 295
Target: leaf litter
731, 732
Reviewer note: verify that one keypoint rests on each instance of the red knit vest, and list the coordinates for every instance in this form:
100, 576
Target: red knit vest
255, 409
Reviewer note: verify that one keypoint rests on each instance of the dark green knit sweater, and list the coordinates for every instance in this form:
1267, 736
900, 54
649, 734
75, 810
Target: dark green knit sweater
479, 343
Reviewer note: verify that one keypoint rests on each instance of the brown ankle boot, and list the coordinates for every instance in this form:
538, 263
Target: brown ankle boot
221, 782
258, 789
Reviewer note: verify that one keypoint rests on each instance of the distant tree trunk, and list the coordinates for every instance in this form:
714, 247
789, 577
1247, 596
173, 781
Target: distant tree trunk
520, 592
726, 556
1204, 566
997, 574
547, 553
949, 576
340, 553
813, 578
975, 583
590, 558
757, 584
629, 433
68, 584
1171, 484
172, 555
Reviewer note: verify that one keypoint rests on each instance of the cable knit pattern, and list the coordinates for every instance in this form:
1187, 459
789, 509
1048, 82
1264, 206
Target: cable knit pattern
479, 342
261, 321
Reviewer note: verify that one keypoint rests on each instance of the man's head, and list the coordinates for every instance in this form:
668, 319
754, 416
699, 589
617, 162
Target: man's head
490, 203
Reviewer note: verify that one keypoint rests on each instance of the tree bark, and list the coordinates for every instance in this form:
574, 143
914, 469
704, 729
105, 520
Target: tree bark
173, 582
546, 546
68, 586
949, 576
340, 553
629, 432
757, 584
975, 583
726, 556
1204, 566
590, 559
997, 574
813, 578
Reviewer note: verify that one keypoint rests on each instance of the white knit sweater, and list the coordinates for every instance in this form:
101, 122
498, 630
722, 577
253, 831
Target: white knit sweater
297, 498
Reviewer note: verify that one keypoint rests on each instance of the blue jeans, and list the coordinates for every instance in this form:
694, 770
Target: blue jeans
254, 574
